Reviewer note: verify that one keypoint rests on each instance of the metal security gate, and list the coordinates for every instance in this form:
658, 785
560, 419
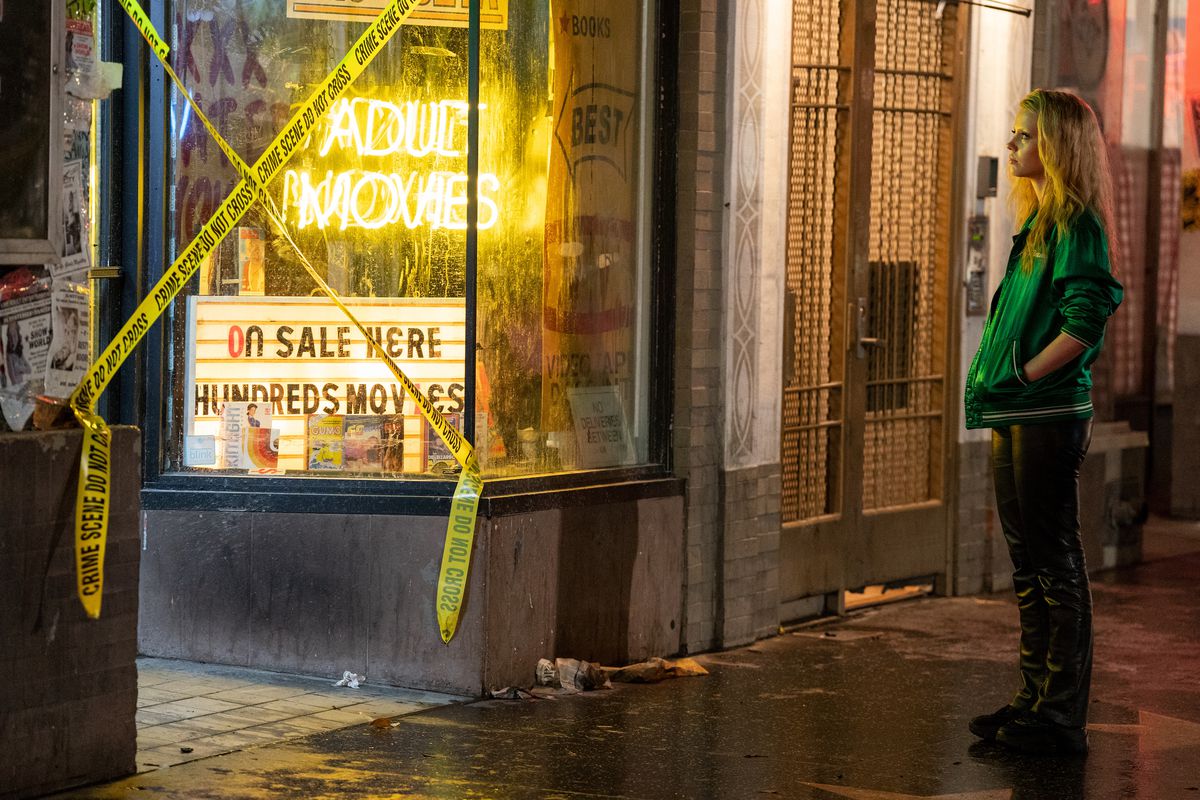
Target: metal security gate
865, 418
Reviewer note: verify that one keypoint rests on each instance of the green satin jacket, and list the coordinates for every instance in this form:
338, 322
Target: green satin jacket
1070, 290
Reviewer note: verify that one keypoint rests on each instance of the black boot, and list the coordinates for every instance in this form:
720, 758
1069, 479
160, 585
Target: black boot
1034, 734
985, 725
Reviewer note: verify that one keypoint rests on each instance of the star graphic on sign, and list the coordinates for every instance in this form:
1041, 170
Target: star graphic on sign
1158, 732
873, 794
565, 21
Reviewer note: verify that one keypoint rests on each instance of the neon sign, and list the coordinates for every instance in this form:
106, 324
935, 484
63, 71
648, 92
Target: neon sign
370, 200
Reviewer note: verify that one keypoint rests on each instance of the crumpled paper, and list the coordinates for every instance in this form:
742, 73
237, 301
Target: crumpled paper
655, 669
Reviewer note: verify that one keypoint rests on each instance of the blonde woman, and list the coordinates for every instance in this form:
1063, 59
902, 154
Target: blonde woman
1030, 383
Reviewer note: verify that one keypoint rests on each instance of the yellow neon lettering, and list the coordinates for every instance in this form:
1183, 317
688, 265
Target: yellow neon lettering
373, 127
371, 200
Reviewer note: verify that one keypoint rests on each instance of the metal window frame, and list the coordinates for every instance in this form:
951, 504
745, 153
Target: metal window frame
145, 390
47, 248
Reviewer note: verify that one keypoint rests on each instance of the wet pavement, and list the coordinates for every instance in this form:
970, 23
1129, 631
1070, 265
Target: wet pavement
873, 707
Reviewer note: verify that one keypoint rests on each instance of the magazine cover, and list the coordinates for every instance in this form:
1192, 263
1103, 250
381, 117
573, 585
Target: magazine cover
260, 444
361, 451
325, 440
391, 443
247, 439
230, 450
438, 457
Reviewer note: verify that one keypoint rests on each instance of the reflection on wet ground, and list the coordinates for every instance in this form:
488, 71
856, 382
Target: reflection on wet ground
879, 715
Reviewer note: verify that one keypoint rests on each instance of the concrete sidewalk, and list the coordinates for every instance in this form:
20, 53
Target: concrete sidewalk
872, 707
189, 711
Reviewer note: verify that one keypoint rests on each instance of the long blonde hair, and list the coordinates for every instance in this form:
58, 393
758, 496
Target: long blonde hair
1075, 161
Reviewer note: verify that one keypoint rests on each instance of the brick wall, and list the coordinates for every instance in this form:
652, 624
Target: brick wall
697, 435
750, 558
68, 685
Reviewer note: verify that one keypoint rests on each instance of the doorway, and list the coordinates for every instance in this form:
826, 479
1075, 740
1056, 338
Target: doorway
866, 423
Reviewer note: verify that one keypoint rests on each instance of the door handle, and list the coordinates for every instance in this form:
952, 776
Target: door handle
861, 340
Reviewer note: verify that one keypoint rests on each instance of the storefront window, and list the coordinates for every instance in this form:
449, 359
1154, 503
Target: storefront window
270, 377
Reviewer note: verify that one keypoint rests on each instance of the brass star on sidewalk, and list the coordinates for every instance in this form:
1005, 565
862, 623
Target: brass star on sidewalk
872, 794
1158, 732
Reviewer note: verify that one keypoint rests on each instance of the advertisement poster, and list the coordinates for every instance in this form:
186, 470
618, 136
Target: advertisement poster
83, 80
75, 261
590, 267
25, 328
326, 439
374, 443
69, 355
438, 458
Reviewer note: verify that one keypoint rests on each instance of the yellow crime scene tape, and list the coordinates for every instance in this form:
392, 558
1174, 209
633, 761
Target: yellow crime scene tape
94, 479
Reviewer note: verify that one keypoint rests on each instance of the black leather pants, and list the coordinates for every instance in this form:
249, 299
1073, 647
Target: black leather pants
1035, 469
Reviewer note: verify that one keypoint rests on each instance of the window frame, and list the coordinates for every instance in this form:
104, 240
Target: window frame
153, 393
48, 247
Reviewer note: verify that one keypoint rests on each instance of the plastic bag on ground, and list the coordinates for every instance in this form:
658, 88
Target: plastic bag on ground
351, 680
580, 675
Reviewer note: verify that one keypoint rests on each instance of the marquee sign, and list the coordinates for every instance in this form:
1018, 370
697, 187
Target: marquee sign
298, 359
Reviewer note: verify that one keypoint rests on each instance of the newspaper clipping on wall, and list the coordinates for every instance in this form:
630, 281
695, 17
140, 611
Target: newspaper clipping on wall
68, 358
75, 261
25, 335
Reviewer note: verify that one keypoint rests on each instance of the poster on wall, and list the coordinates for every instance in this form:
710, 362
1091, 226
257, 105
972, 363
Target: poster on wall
68, 358
26, 331
75, 260
590, 268
81, 63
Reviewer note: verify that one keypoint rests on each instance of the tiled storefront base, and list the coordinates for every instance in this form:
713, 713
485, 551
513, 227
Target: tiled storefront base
596, 576
749, 605
187, 711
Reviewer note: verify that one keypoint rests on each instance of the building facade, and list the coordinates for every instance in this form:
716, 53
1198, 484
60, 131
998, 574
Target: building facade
705, 317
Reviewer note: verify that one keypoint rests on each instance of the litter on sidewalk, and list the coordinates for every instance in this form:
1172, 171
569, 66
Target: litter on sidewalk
655, 669
351, 680
570, 676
